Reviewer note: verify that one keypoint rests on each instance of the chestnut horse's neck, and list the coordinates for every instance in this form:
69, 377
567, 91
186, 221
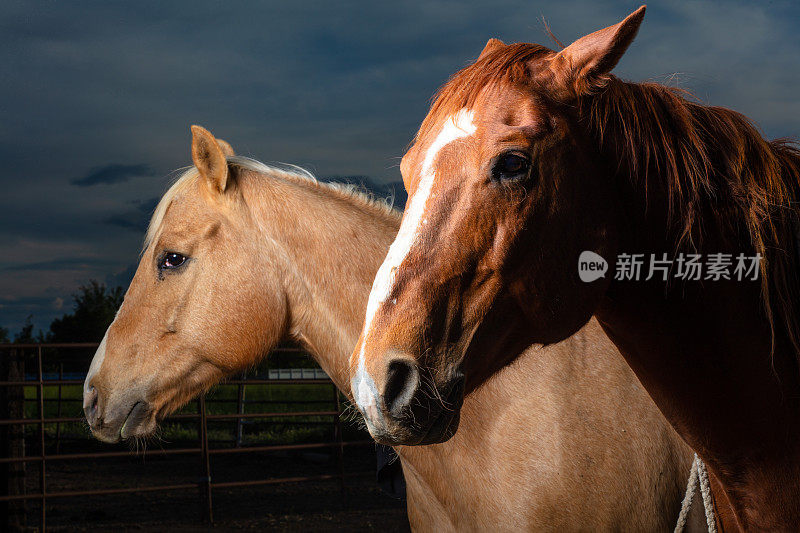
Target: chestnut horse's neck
720, 358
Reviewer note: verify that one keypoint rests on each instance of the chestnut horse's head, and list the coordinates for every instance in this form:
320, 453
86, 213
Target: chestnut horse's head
506, 190
195, 310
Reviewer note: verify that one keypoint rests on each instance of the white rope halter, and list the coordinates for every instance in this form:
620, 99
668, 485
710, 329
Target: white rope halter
698, 473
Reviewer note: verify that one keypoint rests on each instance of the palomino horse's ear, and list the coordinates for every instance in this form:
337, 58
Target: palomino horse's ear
225, 146
209, 158
492, 45
582, 66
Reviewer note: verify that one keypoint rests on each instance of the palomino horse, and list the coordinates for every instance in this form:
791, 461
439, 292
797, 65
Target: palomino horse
532, 163
240, 256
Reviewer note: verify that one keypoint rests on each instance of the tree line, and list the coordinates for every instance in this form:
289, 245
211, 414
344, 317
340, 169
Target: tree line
94, 307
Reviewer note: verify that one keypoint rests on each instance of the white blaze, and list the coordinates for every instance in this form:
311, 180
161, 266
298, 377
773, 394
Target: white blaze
455, 127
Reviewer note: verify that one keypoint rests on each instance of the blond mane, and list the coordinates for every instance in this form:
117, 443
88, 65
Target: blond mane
283, 171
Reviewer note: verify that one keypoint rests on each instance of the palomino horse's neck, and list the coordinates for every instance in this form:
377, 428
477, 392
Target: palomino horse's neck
347, 234
495, 473
704, 350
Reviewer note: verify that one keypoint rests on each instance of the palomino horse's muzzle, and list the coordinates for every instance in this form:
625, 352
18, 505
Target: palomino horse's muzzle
114, 416
120, 419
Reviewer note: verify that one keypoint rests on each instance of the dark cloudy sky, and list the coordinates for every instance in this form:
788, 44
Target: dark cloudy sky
96, 100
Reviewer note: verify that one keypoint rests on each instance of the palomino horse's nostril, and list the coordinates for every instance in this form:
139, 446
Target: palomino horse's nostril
90, 405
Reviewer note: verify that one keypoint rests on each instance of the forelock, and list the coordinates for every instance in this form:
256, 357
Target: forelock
509, 64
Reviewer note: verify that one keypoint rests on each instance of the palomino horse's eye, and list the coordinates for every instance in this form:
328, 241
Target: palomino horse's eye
511, 166
171, 260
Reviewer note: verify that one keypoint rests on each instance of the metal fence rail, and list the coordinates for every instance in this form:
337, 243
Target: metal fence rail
13, 420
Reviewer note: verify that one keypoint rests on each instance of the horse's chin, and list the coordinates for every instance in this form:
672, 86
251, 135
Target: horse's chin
139, 422
441, 429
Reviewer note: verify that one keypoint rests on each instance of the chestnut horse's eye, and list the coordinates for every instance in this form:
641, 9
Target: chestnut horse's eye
511, 166
171, 260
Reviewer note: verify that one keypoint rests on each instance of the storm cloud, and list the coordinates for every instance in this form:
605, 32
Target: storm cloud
135, 219
112, 174
97, 99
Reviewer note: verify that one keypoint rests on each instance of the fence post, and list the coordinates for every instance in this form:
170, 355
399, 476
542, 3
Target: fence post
42, 471
12, 440
337, 430
58, 408
206, 464
240, 410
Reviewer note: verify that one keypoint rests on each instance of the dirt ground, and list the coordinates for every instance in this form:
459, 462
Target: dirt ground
307, 506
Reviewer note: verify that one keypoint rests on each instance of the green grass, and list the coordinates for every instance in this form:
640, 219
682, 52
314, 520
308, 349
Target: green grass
272, 398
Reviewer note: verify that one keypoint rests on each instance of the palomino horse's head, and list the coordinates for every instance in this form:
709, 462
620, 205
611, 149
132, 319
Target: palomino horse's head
486, 260
195, 310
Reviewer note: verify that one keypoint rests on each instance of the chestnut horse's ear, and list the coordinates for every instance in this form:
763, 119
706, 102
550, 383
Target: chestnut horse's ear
582, 66
225, 146
209, 158
492, 45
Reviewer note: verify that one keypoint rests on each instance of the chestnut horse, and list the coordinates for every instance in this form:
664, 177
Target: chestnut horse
533, 165
240, 256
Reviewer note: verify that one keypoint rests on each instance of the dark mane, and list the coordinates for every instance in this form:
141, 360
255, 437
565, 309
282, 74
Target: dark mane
708, 161
711, 162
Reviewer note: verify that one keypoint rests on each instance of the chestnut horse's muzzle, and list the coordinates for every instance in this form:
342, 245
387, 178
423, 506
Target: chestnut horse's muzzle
409, 409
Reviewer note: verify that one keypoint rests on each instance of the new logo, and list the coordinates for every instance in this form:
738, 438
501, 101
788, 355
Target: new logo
591, 266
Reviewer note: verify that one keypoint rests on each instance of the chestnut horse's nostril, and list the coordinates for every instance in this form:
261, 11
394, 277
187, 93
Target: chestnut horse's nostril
90, 405
402, 381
